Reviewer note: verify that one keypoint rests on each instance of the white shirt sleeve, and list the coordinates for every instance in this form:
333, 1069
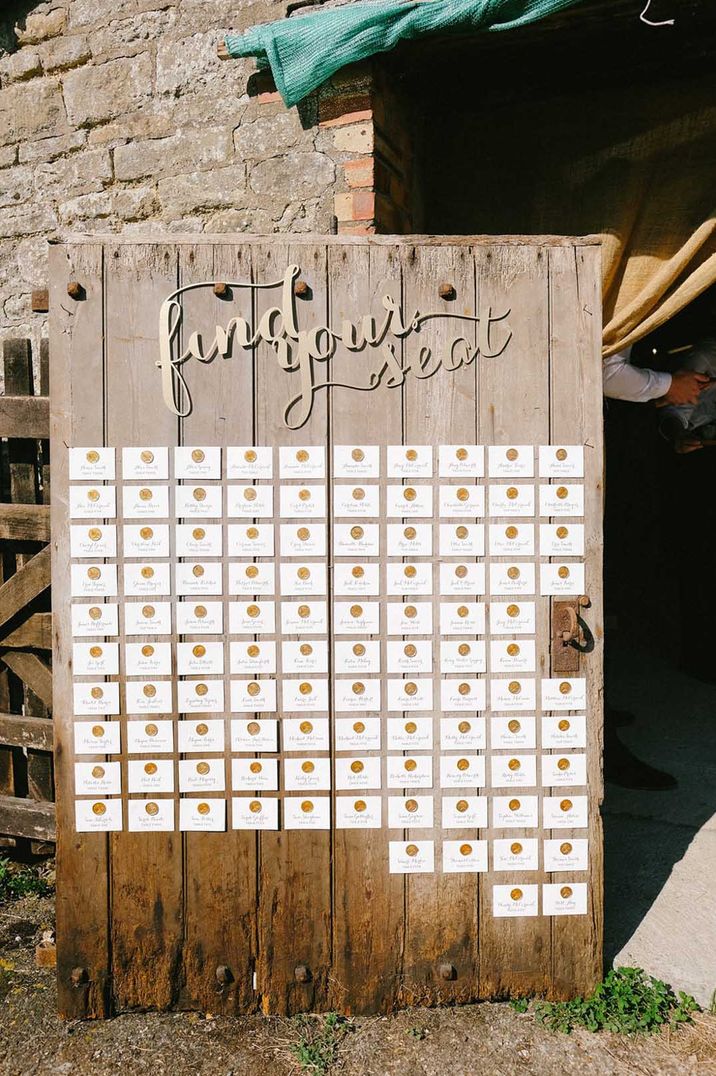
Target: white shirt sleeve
622, 381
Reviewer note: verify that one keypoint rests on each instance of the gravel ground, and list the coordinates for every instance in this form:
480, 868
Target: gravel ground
491, 1039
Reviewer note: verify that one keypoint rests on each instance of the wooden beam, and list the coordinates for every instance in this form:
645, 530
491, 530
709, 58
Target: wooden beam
34, 634
24, 416
32, 672
25, 522
27, 818
21, 588
30, 732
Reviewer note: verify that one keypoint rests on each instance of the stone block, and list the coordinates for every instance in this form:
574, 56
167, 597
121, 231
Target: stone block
135, 203
269, 135
63, 53
154, 121
23, 64
16, 186
167, 156
47, 149
86, 207
100, 92
255, 221
357, 138
184, 65
298, 174
77, 174
31, 260
38, 26
184, 194
31, 110
16, 221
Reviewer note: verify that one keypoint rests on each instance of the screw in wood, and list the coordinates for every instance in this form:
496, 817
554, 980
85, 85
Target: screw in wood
447, 972
75, 289
584, 601
302, 974
447, 292
301, 289
223, 975
222, 290
78, 976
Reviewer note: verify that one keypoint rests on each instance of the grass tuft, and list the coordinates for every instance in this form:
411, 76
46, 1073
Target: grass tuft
19, 880
318, 1041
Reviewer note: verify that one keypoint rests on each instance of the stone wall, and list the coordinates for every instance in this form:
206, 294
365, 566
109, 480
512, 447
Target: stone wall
119, 117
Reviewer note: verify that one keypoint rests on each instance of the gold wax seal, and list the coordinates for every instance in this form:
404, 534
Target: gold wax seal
565, 688
513, 611
356, 611
462, 611
306, 649
565, 848
563, 571
147, 572
410, 612
410, 688
304, 495
149, 690
150, 768
92, 456
461, 806
304, 611
357, 571
255, 767
358, 455
411, 806
308, 766
252, 650
563, 725
513, 649
561, 454
359, 727
249, 493
514, 687
461, 532
255, 807
512, 454
461, 454
252, 533
463, 649
461, 571
563, 764
253, 611
463, 494
358, 493
514, 764
516, 894
304, 573
565, 805
357, 766
148, 612
463, 689
358, 688
410, 650
409, 494
562, 492
94, 573
464, 726
306, 727
95, 613
251, 571
151, 729
562, 532
305, 688
410, 571
465, 849
198, 534
250, 456
411, 850
357, 533
514, 805
566, 892
93, 495
411, 455
98, 731
359, 806
253, 728
513, 573
511, 532
410, 727
516, 848
514, 725
199, 650
145, 494
410, 533
302, 455
202, 729
97, 772
253, 689
199, 494
202, 768
146, 533
203, 808
94, 534
463, 765
95, 651
201, 690
512, 493
151, 808
410, 764
306, 806
197, 455
98, 809
146, 456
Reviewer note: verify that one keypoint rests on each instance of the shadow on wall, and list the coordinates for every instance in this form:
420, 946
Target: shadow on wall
14, 14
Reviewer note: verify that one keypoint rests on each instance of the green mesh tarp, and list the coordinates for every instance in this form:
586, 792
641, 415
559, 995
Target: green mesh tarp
305, 51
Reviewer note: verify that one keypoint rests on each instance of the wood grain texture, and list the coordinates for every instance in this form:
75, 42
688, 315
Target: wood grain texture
27, 732
33, 672
35, 632
20, 589
25, 522
24, 416
27, 818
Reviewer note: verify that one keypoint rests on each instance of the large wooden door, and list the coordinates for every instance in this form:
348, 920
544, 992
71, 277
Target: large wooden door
368, 480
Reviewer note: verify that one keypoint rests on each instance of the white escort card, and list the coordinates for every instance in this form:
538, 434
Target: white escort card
93, 580
357, 734
95, 541
197, 462
462, 733
245, 577
514, 900
513, 771
363, 812
510, 656
462, 771
303, 657
463, 694
200, 814
461, 656
304, 734
146, 540
412, 812
513, 733
561, 500
409, 502
464, 856
462, 502
515, 855
410, 461
202, 735
254, 735
461, 461
98, 779
302, 502
100, 619
92, 502
249, 462
564, 732
96, 737
564, 694
512, 618
95, 698
411, 857
564, 769
512, 694
461, 579
307, 812
564, 899
413, 540
513, 500
144, 580
147, 502
306, 462
359, 502
415, 656
150, 736
410, 734
515, 812
254, 812
250, 502
510, 461
151, 816
566, 854
462, 540
92, 464
464, 812
356, 540
148, 618
255, 540
144, 697
199, 617
561, 539
356, 461
462, 618
147, 464
561, 461
95, 659
561, 578
150, 775
199, 502
305, 540
564, 812
512, 539
98, 816
350, 578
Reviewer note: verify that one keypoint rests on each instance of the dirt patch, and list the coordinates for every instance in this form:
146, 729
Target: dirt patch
493, 1039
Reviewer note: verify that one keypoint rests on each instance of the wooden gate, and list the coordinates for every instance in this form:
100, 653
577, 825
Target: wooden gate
379, 509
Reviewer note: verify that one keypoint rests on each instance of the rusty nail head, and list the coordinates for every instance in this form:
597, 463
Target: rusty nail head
301, 288
221, 289
447, 291
584, 601
75, 289
78, 976
302, 974
447, 971
223, 975
40, 301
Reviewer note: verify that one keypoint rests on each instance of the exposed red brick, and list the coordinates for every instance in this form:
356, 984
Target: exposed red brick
267, 98
359, 173
332, 108
348, 117
356, 228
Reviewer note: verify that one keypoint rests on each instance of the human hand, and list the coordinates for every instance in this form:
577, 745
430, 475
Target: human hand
683, 445
686, 387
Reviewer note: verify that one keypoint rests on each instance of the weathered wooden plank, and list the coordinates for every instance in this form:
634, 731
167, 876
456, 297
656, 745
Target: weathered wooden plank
24, 416
21, 588
32, 671
77, 332
35, 633
27, 732
27, 818
25, 522
576, 418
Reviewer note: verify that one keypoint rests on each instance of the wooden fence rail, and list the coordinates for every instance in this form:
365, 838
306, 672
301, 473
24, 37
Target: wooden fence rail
27, 813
